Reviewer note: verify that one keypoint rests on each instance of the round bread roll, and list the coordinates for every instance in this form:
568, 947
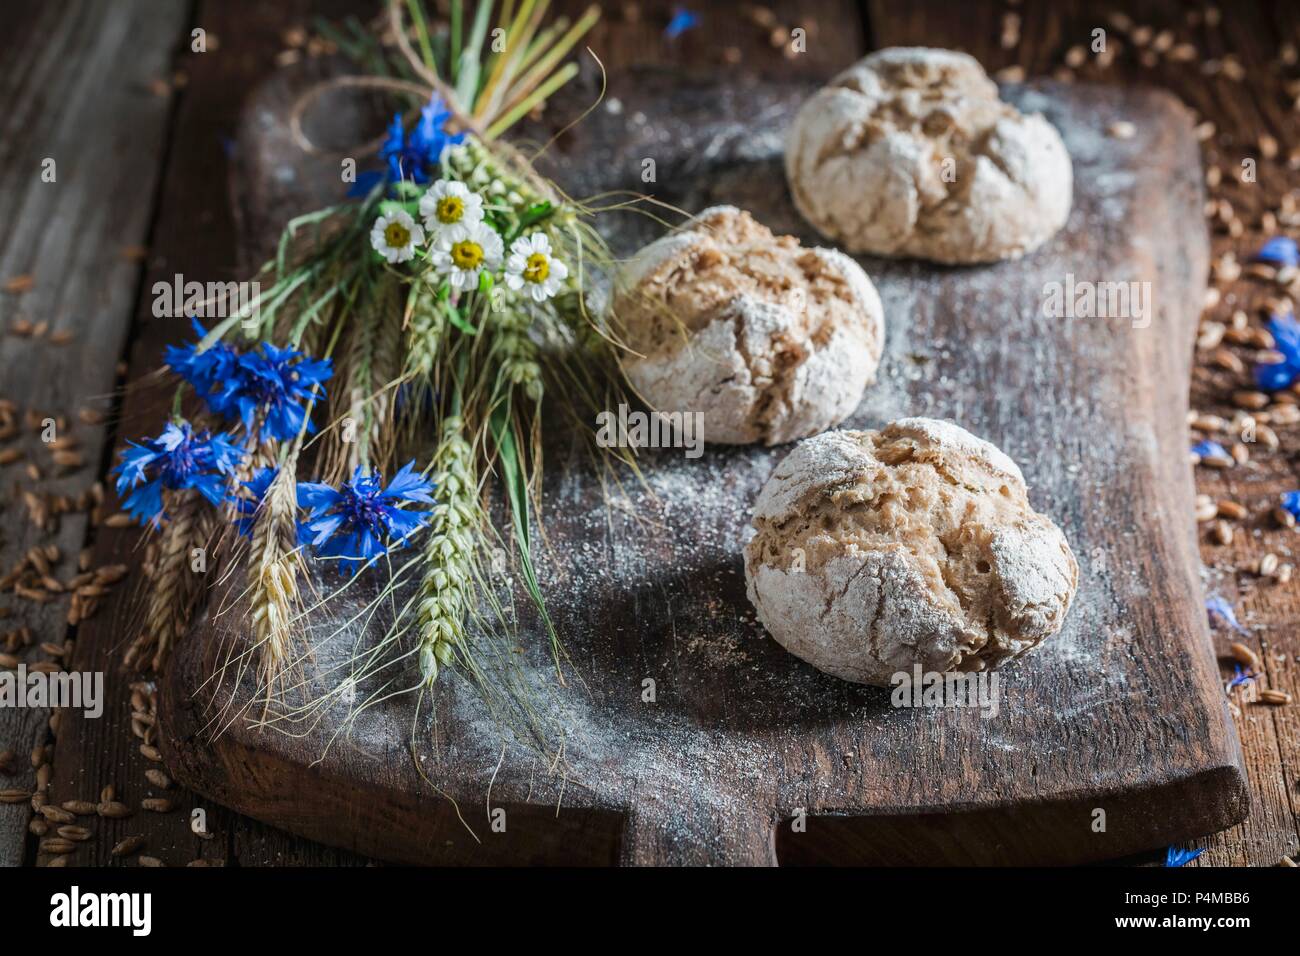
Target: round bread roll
915, 544
909, 152
769, 340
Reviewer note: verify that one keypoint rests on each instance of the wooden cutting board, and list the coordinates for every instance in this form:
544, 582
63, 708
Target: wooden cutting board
1122, 712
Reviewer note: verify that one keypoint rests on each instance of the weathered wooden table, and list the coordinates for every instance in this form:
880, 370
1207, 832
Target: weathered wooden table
138, 126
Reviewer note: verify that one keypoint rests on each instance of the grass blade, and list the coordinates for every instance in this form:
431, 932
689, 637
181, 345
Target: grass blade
516, 486
416, 9
538, 95
471, 65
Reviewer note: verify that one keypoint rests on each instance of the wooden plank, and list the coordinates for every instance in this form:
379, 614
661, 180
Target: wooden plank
741, 733
80, 86
194, 235
1241, 110
754, 39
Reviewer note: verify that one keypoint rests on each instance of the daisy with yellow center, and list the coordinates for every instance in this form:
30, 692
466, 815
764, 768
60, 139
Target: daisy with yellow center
532, 269
395, 236
449, 203
462, 252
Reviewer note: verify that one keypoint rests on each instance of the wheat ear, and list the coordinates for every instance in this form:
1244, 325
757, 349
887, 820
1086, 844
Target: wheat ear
385, 371
448, 581
368, 375
425, 328
273, 565
176, 587
517, 352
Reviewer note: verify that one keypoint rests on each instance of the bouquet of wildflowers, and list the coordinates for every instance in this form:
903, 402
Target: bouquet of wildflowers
394, 359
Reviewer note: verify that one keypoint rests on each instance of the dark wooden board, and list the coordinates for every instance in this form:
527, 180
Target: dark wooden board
84, 85
1122, 712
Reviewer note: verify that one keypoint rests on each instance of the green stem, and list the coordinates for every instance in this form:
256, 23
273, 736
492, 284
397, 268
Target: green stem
422, 34
471, 70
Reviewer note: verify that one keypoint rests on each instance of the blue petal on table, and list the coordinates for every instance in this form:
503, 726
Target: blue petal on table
1279, 251
1291, 502
1271, 376
682, 21
1218, 608
1176, 857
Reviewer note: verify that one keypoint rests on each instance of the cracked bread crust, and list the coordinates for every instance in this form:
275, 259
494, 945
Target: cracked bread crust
769, 340
917, 544
866, 155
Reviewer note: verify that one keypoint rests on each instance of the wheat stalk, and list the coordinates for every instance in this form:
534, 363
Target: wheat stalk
273, 565
385, 372
516, 351
448, 581
175, 588
425, 328
368, 377
332, 460
355, 389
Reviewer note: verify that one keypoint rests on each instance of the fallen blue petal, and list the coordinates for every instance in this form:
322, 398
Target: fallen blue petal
1279, 251
1176, 857
1286, 340
1291, 502
1274, 376
1210, 449
1286, 334
1239, 676
1222, 610
682, 21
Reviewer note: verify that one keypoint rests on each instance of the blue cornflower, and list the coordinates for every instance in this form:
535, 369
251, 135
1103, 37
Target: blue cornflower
1286, 336
178, 459
410, 156
270, 382
1176, 857
1291, 502
273, 383
248, 503
1279, 251
430, 136
362, 520
203, 370
682, 21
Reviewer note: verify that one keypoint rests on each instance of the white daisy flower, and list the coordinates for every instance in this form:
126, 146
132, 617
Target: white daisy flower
449, 203
395, 236
532, 267
462, 252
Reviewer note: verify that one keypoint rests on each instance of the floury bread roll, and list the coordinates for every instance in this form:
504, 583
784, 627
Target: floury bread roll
768, 340
910, 152
916, 544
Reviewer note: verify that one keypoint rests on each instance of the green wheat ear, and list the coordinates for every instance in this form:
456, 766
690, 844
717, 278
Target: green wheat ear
448, 587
